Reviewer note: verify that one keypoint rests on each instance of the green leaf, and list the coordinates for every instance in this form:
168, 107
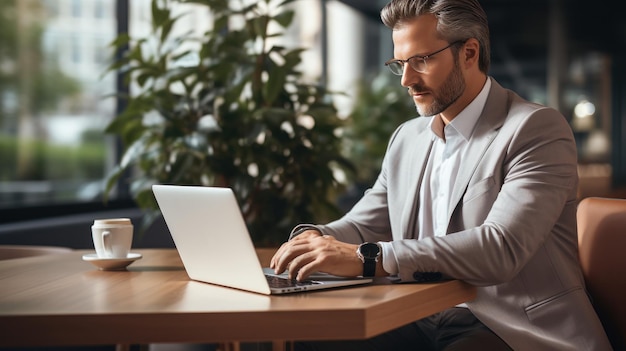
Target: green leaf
166, 28
121, 40
274, 85
293, 59
159, 15
285, 2
285, 18
258, 26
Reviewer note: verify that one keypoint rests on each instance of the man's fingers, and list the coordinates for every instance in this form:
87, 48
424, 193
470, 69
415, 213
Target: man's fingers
287, 253
296, 254
302, 266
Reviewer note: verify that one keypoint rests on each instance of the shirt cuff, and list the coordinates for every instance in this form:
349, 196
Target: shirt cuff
389, 258
300, 228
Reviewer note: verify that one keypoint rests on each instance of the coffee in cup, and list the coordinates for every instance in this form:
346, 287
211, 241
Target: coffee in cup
113, 237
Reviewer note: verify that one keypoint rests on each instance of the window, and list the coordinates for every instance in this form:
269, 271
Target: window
52, 111
76, 8
99, 9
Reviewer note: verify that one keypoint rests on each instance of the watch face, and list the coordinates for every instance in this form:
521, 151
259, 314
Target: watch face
369, 250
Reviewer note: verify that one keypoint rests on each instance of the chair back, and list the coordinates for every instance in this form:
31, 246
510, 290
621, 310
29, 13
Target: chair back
602, 251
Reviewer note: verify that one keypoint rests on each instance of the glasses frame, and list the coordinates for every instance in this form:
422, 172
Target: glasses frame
423, 58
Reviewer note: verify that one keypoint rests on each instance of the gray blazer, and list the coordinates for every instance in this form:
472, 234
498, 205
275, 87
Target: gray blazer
512, 226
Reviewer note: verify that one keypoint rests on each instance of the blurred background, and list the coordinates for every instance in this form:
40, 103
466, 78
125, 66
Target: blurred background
56, 96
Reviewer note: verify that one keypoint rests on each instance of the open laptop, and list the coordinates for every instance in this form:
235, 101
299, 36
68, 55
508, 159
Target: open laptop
215, 247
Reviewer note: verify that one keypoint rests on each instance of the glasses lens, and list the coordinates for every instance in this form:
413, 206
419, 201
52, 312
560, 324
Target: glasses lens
418, 64
396, 67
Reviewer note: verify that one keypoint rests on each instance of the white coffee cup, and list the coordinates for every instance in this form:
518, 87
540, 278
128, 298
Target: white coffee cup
113, 237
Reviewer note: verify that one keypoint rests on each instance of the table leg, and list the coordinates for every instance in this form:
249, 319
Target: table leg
282, 345
277, 345
229, 346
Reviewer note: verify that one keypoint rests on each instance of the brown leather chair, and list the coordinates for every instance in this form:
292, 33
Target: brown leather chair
602, 251
17, 251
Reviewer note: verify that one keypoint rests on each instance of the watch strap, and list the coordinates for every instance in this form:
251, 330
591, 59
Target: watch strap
369, 268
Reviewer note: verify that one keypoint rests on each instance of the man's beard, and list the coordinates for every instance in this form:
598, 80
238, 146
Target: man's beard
450, 91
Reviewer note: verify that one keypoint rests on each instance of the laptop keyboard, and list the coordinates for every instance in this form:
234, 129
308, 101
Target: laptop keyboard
280, 282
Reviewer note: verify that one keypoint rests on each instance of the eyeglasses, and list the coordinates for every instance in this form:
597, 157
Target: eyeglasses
417, 62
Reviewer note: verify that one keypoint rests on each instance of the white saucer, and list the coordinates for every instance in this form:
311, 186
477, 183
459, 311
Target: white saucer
111, 264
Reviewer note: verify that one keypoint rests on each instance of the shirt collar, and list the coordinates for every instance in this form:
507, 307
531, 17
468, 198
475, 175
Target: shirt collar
465, 121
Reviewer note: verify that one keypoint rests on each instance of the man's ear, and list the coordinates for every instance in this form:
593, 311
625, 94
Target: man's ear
470, 52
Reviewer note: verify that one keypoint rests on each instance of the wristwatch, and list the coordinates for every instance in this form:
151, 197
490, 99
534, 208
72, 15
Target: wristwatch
368, 253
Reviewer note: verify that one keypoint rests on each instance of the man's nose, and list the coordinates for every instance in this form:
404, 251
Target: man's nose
409, 76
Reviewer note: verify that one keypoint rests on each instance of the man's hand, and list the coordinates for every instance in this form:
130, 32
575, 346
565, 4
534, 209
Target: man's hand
310, 252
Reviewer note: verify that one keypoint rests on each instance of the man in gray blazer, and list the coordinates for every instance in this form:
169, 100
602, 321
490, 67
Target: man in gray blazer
481, 189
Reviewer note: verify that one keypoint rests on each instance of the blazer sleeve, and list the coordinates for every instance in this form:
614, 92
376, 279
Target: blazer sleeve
368, 220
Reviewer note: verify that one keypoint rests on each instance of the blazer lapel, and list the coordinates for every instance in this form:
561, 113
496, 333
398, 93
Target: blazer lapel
485, 131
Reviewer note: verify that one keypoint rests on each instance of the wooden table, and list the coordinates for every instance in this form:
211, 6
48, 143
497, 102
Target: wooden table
60, 300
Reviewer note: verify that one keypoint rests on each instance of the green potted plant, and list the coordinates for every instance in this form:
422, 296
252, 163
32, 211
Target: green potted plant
238, 115
381, 104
